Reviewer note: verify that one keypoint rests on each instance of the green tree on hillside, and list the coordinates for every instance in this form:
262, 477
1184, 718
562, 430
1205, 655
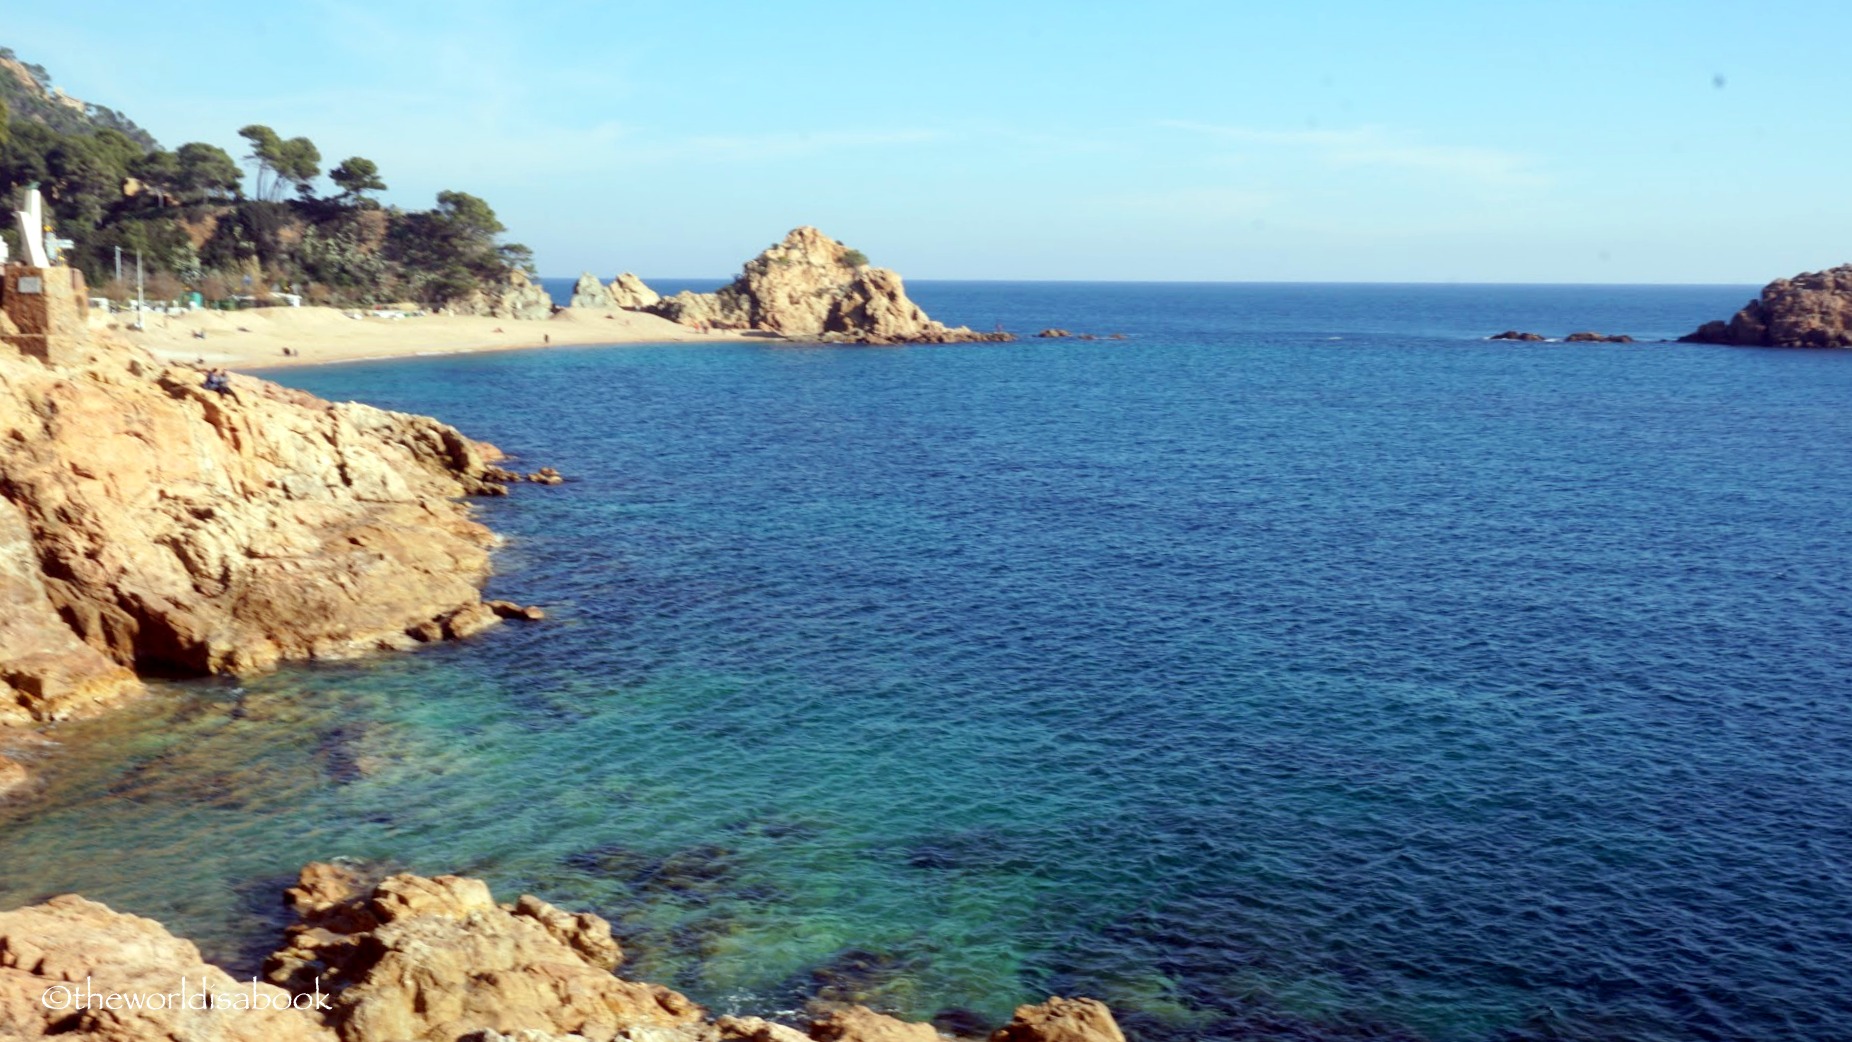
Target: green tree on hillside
299, 162
207, 174
265, 148
356, 177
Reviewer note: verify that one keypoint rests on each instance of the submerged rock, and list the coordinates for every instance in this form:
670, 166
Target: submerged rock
1054, 334
1598, 338
809, 286
1809, 310
1512, 334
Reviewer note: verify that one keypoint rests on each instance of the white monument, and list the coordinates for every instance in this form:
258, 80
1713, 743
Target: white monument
32, 231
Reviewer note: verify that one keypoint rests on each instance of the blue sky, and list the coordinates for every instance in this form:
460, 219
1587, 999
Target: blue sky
1558, 142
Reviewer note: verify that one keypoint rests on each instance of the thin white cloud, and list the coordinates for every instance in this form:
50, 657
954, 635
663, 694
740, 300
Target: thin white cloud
1372, 146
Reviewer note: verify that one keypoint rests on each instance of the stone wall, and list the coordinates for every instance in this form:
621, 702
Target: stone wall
46, 311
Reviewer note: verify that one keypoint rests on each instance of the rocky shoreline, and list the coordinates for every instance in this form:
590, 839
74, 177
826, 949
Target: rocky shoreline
403, 958
150, 525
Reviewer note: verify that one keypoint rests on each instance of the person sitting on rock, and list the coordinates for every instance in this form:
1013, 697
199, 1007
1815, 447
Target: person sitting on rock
219, 380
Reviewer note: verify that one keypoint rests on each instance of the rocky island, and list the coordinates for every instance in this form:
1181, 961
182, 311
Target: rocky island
809, 287
1813, 309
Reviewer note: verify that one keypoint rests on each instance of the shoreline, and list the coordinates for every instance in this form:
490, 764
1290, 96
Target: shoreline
256, 339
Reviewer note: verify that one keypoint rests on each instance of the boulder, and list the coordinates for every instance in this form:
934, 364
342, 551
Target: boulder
1512, 334
1597, 338
1053, 333
588, 292
69, 951
432, 960
809, 286
1809, 310
628, 291
1061, 1020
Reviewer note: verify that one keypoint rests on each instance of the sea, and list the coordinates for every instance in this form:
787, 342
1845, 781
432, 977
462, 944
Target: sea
1302, 666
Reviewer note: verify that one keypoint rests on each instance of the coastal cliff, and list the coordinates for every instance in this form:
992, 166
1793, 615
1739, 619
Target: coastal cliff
1813, 309
809, 286
150, 525
404, 959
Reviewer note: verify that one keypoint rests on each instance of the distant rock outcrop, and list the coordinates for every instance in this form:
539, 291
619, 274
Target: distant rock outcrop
588, 292
1512, 334
628, 291
1809, 310
1597, 338
1054, 334
809, 286
519, 298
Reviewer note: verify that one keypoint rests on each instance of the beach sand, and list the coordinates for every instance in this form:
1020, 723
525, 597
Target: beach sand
256, 338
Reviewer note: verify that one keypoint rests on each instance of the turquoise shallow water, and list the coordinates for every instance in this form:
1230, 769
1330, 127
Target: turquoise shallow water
1302, 667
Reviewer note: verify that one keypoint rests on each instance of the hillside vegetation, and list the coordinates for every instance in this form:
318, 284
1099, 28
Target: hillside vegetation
203, 220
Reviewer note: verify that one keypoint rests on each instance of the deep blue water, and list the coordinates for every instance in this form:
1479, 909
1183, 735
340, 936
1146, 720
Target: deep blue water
1302, 667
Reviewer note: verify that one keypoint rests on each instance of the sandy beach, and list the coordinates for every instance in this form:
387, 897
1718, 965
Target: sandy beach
319, 335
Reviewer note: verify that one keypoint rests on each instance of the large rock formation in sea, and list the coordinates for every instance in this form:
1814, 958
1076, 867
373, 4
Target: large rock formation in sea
150, 524
1809, 310
810, 286
403, 959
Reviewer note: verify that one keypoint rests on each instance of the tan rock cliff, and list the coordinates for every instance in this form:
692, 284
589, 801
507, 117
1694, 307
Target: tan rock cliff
810, 286
149, 524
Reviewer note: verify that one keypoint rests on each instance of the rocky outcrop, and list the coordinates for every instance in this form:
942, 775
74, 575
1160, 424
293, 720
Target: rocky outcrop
72, 969
406, 958
1597, 338
520, 297
588, 292
147, 523
628, 291
1053, 334
1512, 334
1061, 1020
810, 286
1809, 310
433, 960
